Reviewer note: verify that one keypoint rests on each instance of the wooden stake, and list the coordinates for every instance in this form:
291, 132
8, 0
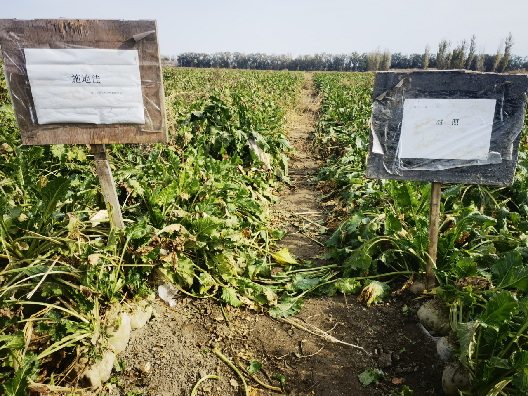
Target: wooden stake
434, 214
107, 184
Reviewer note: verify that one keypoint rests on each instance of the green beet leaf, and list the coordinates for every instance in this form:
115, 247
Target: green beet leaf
466, 338
358, 260
500, 308
229, 295
510, 272
370, 376
254, 366
12, 342
392, 223
348, 286
184, 271
405, 392
519, 359
520, 381
288, 306
303, 282
17, 386
280, 377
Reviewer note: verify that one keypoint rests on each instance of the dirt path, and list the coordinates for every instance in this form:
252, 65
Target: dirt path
170, 354
299, 207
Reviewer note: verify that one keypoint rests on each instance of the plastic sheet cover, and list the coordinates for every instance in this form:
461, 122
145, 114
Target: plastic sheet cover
435, 129
95, 86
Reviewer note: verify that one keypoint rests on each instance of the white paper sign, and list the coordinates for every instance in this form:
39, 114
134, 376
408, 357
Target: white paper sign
95, 86
446, 128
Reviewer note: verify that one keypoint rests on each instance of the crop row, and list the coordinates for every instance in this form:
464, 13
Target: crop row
482, 240
196, 212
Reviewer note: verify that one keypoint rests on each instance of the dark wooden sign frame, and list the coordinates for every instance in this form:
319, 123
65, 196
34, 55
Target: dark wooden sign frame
142, 35
390, 91
510, 90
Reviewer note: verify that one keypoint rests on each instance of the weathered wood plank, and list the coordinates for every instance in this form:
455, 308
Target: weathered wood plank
106, 180
434, 215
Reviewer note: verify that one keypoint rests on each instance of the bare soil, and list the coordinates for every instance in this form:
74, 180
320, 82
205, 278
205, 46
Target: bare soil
175, 349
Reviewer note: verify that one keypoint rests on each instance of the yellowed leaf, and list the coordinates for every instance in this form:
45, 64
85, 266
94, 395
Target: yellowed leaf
22, 245
254, 391
283, 257
171, 228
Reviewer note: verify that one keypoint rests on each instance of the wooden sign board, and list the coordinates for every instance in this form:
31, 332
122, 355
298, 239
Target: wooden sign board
85, 81
446, 126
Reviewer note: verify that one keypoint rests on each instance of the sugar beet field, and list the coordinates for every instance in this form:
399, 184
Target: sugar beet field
257, 257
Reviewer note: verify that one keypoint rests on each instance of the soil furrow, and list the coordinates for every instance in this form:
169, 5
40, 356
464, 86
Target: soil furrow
178, 347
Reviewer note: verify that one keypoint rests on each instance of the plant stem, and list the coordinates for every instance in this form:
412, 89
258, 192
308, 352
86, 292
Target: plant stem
226, 360
514, 339
202, 380
77, 315
387, 274
312, 269
62, 344
225, 316
477, 349
309, 237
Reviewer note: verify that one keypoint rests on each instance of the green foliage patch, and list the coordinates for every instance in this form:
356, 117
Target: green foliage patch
382, 226
196, 213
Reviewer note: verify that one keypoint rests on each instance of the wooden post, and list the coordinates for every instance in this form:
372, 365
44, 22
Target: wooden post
107, 184
434, 214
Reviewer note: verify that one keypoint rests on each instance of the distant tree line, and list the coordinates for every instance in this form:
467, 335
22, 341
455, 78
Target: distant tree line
464, 55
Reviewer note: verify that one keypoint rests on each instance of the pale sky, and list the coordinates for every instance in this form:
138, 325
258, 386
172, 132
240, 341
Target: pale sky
302, 26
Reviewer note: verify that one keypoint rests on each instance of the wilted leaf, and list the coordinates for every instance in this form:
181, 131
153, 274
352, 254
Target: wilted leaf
348, 286
22, 246
288, 306
101, 215
137, 187
497, 388
374, 292
303, 282
173, 228
144, 250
